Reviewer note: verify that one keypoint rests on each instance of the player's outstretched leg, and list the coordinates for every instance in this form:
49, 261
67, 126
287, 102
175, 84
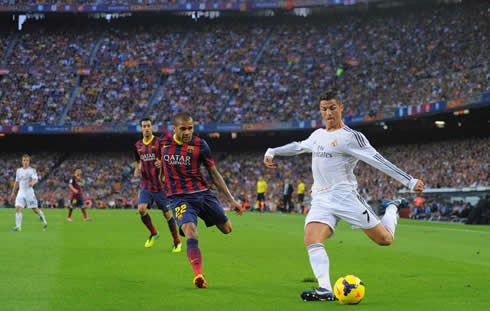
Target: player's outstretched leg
173, 230
195, 259
85, 217
18, 219
146, 219
194, 253
320, 265
315, 234
390, 218
70, 210
40, 213
172, 227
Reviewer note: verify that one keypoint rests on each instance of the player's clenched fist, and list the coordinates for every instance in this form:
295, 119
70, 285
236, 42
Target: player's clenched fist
419, 186
237, 207
269, 163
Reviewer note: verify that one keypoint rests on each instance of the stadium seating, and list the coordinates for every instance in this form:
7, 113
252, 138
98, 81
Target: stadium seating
379, 62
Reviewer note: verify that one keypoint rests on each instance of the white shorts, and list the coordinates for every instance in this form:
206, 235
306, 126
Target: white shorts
26, 199
329, 207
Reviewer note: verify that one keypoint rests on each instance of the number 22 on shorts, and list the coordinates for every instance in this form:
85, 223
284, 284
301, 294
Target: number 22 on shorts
179, 210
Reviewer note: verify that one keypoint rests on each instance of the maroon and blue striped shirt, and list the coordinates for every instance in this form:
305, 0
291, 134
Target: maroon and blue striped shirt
182, 164
147, 154
76, 182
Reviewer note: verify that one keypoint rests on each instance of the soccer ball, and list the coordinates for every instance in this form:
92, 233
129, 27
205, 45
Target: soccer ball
349, 290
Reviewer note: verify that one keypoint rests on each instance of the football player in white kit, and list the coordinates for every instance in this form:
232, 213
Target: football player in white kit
335, 151
25, 179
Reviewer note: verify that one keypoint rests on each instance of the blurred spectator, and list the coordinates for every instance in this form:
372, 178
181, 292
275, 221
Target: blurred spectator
480, 214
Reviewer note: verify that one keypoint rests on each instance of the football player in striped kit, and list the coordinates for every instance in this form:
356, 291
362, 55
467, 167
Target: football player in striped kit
182, 156
146, 156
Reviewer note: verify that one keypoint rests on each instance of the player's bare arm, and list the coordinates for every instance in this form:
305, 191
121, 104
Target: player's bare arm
14, 190
73, 189
223, 188
33, 182
161, 175
137, 169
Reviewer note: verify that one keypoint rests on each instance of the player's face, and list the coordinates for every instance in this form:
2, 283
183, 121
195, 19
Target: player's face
146, 128
26, 161
183, 130
78, 172
331, 113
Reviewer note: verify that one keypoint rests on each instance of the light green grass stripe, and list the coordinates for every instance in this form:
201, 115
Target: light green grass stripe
412, 226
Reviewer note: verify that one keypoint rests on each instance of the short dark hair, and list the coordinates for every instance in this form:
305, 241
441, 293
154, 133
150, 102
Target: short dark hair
330, 94
26, 155
145, 119
182, 116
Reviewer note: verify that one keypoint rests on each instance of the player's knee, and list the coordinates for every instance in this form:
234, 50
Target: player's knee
142, 209
226, 228
167, 215
190, 231
385, 240
309, 240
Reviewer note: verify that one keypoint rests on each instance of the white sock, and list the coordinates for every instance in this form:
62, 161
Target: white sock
389, 219
320, 264
18, 219
43, 219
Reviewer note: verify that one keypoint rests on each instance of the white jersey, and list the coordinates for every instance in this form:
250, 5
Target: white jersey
24, 176
334, 157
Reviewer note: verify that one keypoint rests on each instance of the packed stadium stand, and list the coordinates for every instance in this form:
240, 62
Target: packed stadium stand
379, 61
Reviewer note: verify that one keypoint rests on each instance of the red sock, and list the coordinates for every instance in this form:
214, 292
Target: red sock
69, 212
173, 229
84, 213
147, 221
194, 255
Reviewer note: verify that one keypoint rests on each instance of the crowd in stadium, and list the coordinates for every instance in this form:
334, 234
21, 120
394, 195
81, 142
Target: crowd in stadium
109, 96
379, 62
109, 181
104, 2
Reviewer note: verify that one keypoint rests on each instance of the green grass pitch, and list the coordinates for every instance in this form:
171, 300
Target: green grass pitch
262, 265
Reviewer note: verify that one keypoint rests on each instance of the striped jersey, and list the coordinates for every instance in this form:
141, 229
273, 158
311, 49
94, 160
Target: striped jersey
182, 164
147, 154
335, 155
76, 182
